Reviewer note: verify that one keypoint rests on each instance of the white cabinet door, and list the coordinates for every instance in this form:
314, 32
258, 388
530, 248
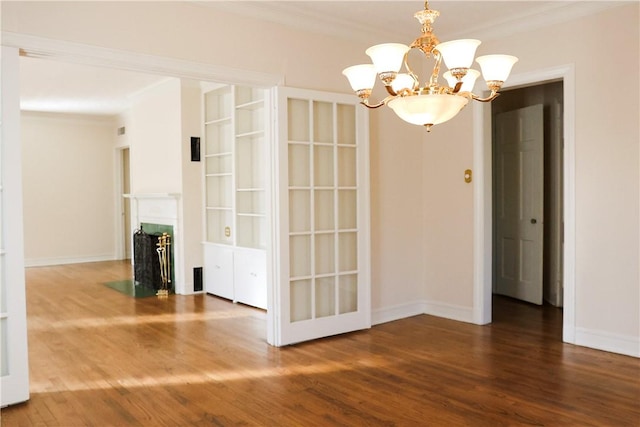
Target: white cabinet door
218, 262
250, 270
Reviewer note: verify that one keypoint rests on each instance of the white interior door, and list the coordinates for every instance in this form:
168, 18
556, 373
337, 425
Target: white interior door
519, 203
322, 267
14, 365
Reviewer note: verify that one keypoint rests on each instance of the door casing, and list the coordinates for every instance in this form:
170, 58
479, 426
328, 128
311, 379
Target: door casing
483, 258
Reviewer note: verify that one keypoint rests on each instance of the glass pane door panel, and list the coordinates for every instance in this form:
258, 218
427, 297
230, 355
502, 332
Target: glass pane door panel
218, 138
346, 124
219, 191
298, 120
300, 256
299, 211
348, 293
299, 165
3, 286
347, 167
218, 164
322, 121
300, 300
4, 348
325, 296
324, 212
347, 209
348, 250
218, 221
323, 166
325, 253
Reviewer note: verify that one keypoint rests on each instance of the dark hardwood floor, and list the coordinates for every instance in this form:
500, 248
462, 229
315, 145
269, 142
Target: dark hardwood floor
101, 358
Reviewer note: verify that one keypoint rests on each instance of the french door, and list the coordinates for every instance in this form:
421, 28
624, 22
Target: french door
14, 367
321, 248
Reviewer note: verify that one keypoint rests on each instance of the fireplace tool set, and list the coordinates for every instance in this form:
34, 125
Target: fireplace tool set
163, 250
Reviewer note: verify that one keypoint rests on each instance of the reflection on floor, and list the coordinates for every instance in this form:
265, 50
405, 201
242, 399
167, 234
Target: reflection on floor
131, 288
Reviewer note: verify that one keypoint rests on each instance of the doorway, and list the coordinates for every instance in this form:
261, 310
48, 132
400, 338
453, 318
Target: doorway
125, 189
537, 265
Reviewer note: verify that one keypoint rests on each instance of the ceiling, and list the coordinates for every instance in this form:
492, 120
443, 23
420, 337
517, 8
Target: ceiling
71, 88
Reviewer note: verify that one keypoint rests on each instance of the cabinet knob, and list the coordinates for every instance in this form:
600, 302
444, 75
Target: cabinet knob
534, 221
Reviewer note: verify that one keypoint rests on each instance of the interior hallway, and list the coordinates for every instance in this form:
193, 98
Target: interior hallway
98, 358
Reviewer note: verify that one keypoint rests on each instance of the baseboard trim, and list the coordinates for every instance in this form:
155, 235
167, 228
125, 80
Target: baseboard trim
396, 312
44, 262
449, 311
402, 311
614, 343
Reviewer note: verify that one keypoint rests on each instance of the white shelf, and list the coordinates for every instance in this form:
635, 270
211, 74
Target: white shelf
252, 105
222, 120
246, 135
235, 255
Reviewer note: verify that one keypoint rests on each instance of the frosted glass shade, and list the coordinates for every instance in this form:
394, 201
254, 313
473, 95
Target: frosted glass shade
361, 76
402, 81
458, 53
496, 67
387, 57
468, 81
427, 109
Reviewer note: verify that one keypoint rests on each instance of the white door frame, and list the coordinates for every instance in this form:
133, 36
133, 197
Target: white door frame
121, 250
15, 357
483, 257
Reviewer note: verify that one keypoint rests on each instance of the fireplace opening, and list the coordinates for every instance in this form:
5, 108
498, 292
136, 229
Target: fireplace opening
153, 264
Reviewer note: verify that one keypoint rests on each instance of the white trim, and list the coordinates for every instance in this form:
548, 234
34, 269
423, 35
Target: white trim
449, 311
119, 203
617, 343
397, 312
45, 262
431, 308
41, 47
15, 384
482, 214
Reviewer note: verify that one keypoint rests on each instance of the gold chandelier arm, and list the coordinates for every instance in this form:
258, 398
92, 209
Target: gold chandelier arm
433, 81
365, 102
489, 98
410, 71
390, 90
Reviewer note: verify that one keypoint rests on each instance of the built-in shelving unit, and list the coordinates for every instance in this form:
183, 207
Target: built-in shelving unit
235, 129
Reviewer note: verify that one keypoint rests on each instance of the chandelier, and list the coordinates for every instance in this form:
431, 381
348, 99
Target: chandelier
429, 104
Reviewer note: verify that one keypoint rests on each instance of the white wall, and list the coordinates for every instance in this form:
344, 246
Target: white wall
68, 188
199, 35
192, 215
156, 133
422, 211
607, 303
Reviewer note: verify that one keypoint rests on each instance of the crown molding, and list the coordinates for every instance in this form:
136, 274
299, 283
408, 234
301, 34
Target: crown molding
59, 50
546, 15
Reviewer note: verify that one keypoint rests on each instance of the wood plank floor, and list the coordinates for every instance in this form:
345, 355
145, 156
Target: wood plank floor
101, 358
